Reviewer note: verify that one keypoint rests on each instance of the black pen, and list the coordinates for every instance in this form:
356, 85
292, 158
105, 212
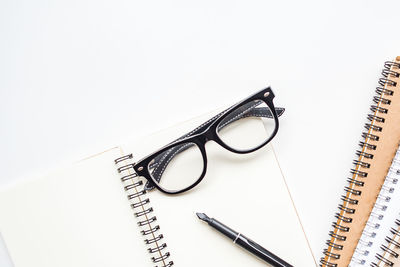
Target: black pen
244, 242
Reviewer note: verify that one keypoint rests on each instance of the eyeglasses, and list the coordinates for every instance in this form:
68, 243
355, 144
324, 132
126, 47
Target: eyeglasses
243, 128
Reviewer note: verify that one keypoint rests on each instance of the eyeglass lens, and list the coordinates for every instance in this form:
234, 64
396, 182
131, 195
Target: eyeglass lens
247, 127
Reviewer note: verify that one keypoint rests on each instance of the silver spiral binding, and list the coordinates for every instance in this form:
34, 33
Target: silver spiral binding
359, 174
143, 212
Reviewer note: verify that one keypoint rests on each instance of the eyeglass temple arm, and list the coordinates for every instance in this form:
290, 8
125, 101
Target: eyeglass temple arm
163, 160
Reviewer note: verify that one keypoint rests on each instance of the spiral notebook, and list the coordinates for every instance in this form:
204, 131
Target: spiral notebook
95, 212
362, 233
379, 244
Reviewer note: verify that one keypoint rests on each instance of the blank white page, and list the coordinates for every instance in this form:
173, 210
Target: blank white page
78, 216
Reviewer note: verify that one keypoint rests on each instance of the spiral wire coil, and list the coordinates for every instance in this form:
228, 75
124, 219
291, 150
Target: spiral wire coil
134, 188
360, 170
391, 249
378, 212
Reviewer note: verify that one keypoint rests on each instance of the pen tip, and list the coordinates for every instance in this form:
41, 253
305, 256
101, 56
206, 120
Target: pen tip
202, 216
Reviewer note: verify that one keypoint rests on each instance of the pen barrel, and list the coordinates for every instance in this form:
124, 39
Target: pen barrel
222, 228
261, 252
248, 244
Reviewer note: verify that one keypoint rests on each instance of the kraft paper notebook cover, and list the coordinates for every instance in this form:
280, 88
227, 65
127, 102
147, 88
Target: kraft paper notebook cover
372, 185
81, 216
379, 244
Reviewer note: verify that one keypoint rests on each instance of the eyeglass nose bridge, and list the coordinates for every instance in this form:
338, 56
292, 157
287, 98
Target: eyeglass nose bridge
208, 135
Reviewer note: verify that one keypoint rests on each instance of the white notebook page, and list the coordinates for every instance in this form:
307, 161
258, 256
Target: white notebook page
78, 216
246, 192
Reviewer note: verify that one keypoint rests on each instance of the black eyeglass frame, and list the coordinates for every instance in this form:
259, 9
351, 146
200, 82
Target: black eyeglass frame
209, 133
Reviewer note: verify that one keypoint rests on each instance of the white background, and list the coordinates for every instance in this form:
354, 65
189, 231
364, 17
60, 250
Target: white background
77, 77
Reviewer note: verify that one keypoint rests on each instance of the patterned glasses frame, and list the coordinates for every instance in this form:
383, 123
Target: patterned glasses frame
159, 160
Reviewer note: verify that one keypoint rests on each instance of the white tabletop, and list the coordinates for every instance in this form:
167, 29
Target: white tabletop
80, 76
